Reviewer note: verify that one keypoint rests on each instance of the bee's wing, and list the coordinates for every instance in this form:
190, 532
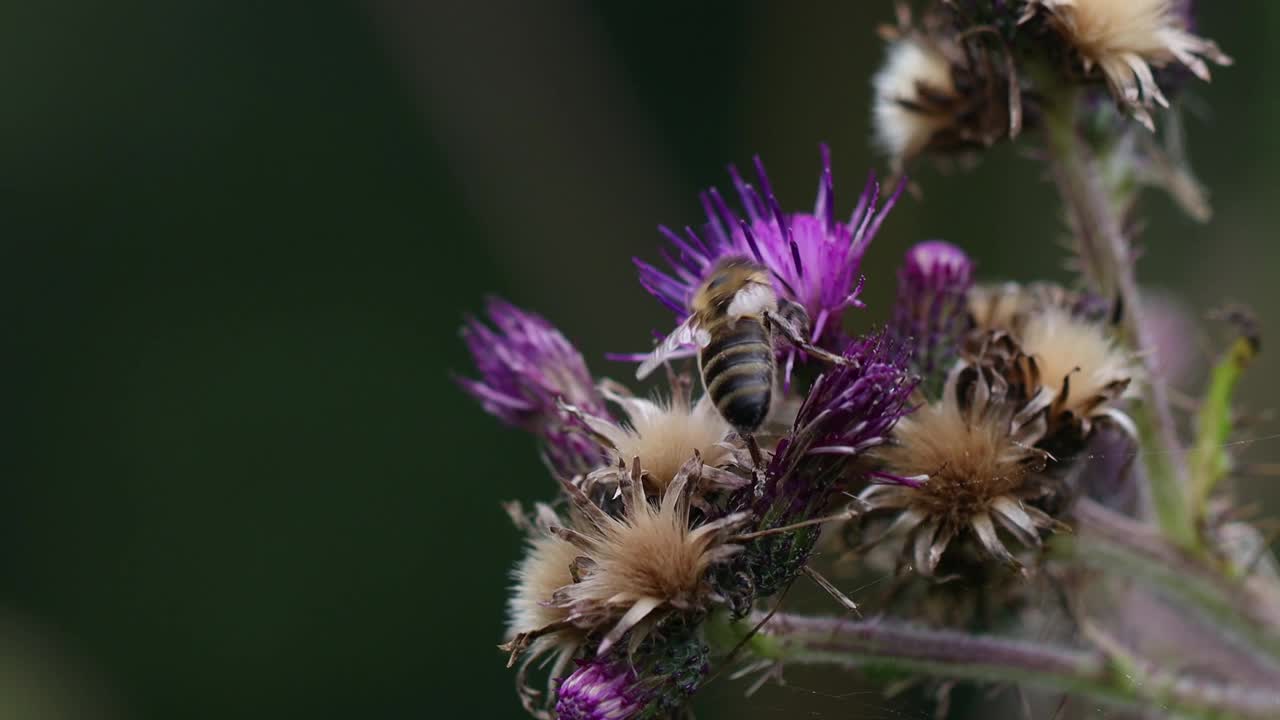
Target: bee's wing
752, 300
688, 333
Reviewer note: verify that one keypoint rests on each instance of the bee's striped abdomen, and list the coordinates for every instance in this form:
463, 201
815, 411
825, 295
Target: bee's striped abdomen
737, 371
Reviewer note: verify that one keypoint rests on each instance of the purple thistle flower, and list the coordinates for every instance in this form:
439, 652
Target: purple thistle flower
930, 315
526, 367
849, 410
600, 690
814, 258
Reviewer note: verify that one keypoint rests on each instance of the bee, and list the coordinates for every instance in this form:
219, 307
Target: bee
736, 316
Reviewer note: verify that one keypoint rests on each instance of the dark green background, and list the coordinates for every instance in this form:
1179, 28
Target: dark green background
238, 240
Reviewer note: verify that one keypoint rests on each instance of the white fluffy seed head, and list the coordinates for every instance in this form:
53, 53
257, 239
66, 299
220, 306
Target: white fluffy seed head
1126, 38
1103, 27
665, 434
1067, 347
543, 570
903, 132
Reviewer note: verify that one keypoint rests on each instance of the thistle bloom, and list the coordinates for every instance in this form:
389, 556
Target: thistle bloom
815, 259
849, 411
526, 368
599, 690
931, 312
1125, 39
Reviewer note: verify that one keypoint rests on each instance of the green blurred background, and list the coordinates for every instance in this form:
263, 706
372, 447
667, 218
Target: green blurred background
239, 238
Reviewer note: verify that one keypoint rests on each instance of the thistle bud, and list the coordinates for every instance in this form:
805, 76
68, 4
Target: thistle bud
930, 316
601, 690
526, 368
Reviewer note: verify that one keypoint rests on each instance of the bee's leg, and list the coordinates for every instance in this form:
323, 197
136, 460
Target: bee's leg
757, 462
757, 458
793, 336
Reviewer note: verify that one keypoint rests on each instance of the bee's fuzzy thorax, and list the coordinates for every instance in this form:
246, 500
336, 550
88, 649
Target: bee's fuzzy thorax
914, 75
1125, 39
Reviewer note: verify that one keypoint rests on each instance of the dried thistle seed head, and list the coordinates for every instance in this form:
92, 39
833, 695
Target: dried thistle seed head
535, 626
1005, 307
958, 468
644, 564
662, 434
1125, 39
545, 568
912, 90
997, 307
943, 87
1079, 362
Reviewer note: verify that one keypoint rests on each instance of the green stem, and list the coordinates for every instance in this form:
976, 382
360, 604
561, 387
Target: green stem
1108, 258
1209, 463
1245, 611
888, 646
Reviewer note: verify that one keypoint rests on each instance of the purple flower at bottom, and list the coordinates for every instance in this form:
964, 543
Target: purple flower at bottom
600, 691
814, 258
930, 315
526, 368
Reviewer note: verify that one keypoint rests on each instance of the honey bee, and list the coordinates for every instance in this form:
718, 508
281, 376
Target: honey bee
736, 314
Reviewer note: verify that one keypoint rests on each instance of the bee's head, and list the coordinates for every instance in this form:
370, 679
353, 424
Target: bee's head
725, 280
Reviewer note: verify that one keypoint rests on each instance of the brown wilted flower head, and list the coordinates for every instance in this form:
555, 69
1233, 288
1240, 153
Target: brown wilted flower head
633, 569
659, 436
545, 568
1125, 39
964, 467
941, 89
1056, 347
1082, 365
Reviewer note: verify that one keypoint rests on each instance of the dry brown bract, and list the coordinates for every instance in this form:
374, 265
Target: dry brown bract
1125, 39
967, 467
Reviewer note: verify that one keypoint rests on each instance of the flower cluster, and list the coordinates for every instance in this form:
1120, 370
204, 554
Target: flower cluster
951, 442
1036, 372
672, 512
